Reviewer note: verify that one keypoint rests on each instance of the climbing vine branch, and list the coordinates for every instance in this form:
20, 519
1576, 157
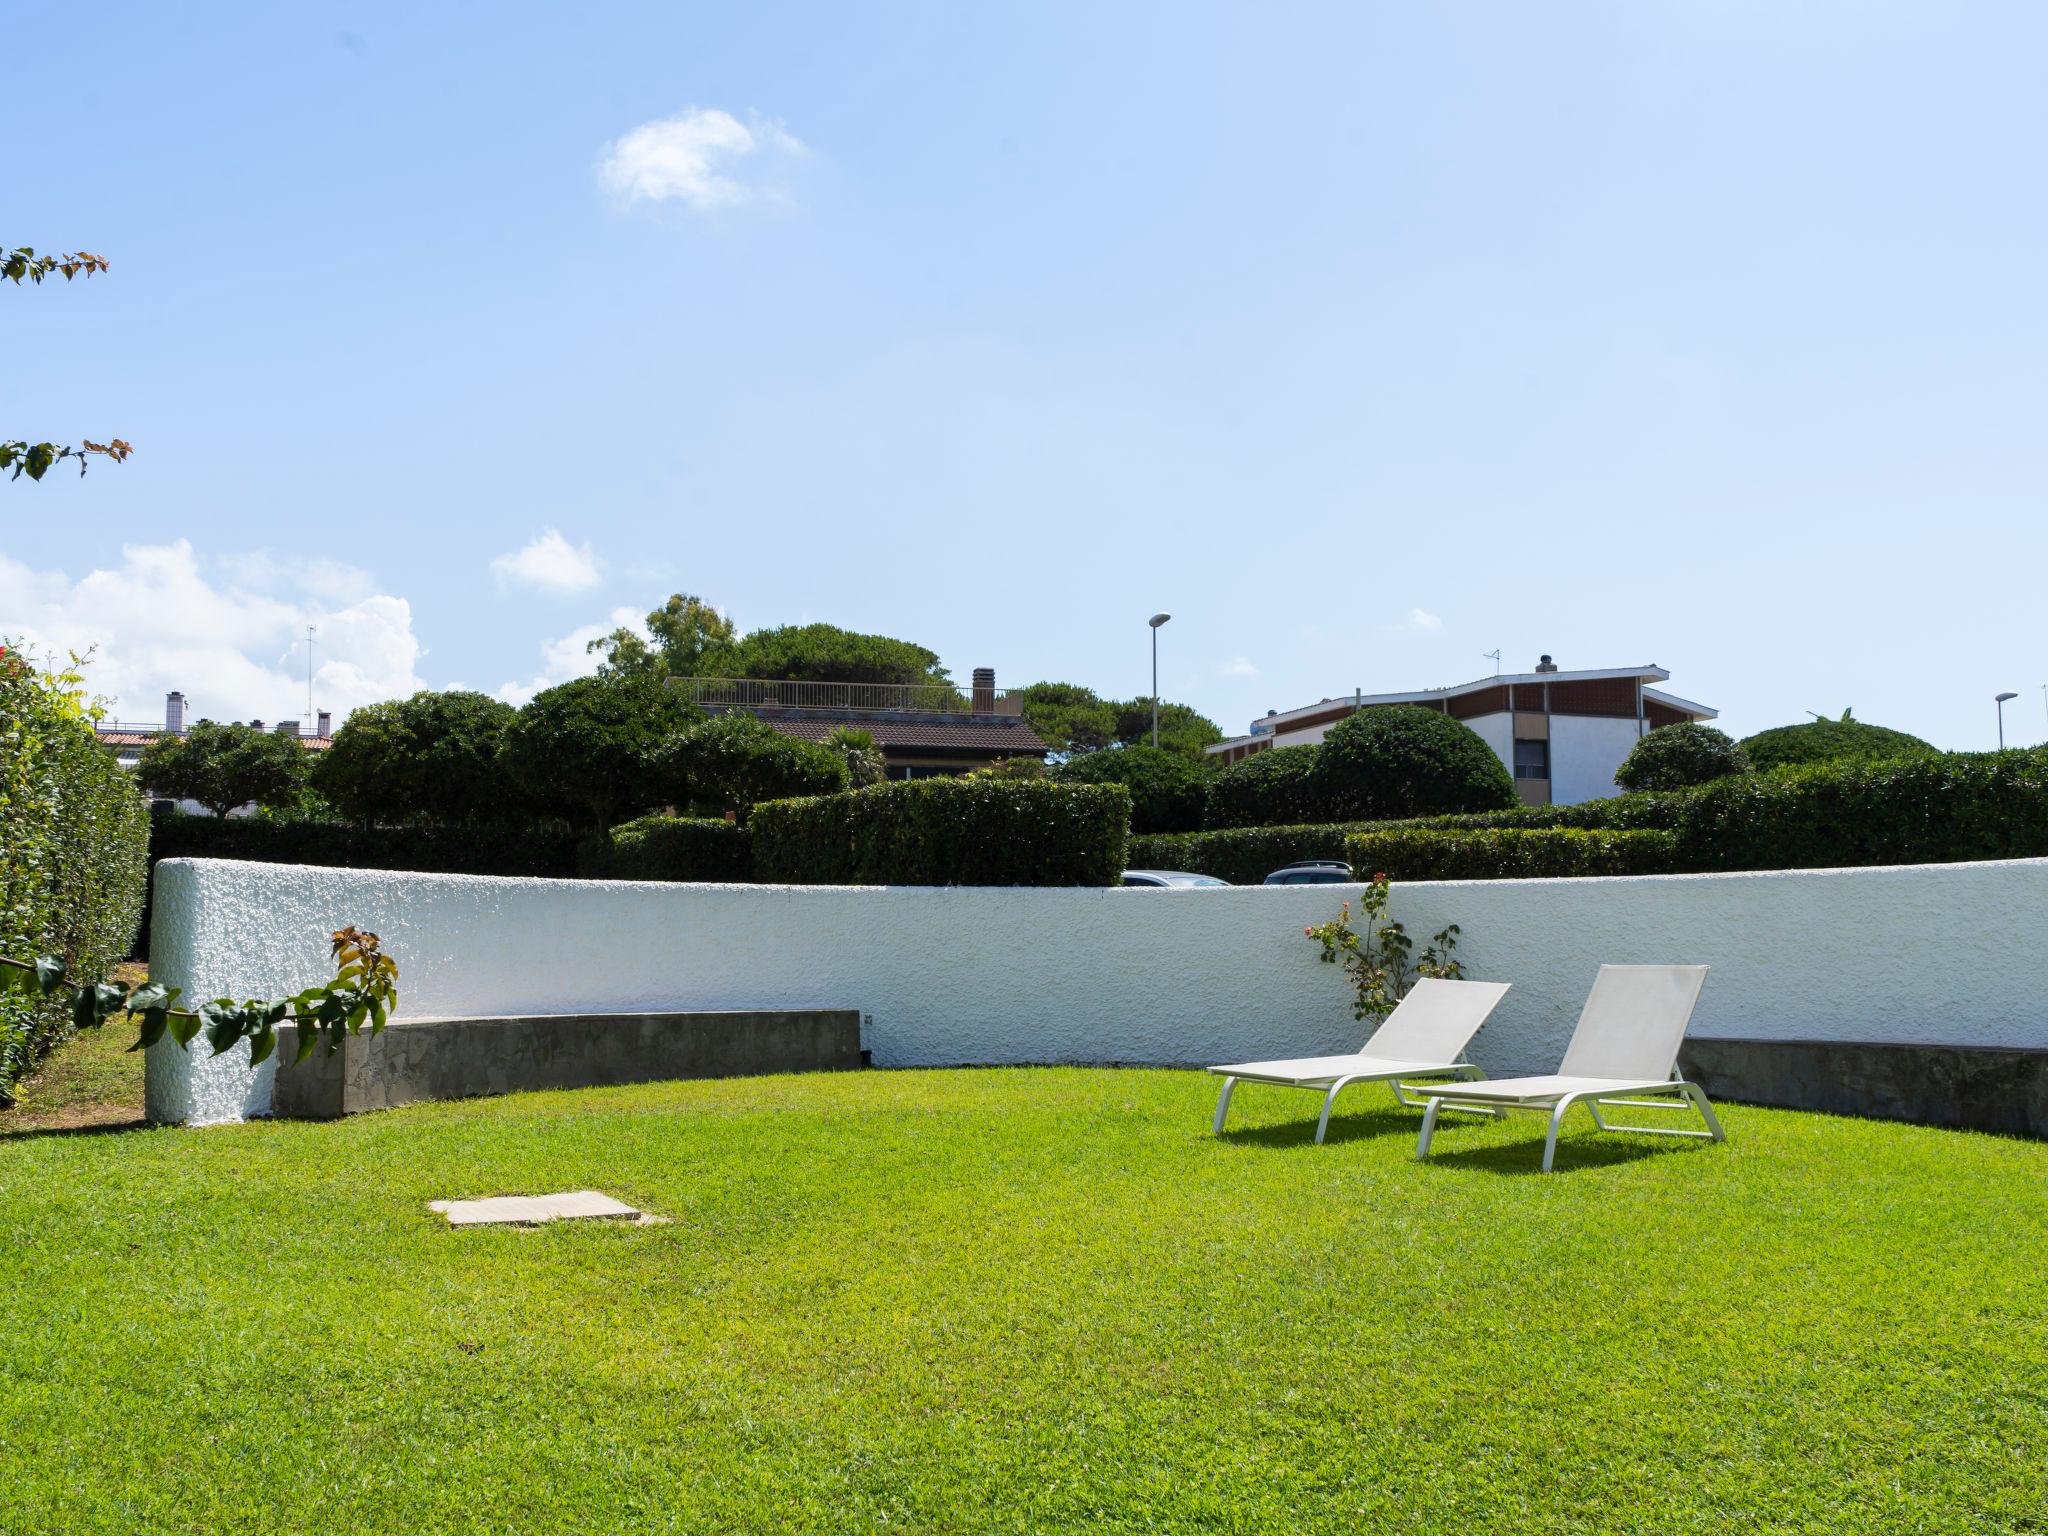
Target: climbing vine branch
364, 991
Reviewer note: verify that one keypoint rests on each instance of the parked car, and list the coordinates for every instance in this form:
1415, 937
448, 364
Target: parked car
1311, 872
1168, 877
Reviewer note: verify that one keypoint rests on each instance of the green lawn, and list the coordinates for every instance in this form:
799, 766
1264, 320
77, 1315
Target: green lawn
1033, 1300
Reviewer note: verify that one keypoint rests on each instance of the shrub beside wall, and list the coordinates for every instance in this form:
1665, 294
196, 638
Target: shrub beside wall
1417, 853
1948, 808
683, 848
1242, 855
544, 850
981, 831
74, 837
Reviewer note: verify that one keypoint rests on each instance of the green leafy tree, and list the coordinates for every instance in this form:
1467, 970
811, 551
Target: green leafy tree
825, 653
432, 758
689, 638
865, 764
224, 766
1831, 741
1680, 756
581, 751
733, 762
1167, 791
35, 460
1401, 760
1069, 718
1182, 729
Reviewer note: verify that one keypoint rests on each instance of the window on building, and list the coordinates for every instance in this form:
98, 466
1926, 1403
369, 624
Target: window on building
1532, 759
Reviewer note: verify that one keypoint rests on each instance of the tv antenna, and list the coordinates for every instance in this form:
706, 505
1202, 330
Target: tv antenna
1494, 657
309, 677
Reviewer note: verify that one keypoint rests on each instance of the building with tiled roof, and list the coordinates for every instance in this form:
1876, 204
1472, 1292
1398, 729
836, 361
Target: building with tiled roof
922, 730
1561, 734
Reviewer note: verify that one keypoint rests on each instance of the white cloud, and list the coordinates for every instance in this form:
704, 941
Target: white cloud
233, 646
1237, 666
695, 158
551, 562
571, 656
1416, 619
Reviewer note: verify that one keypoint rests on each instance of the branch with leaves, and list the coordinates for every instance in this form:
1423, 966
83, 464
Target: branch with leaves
1381, 961
364, 990
36, 459
22, 262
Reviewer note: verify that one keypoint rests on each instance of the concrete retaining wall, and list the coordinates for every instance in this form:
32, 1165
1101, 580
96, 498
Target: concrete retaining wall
1933, 954
409, 1062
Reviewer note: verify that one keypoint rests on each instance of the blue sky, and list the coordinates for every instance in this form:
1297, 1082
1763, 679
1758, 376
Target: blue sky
1363, 339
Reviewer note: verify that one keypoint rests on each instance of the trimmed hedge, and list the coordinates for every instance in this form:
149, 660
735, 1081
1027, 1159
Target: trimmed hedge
1950, 808
1166, 788
1405, 760
74, 838
1680, 756
1510, 853
544, 850
682, 848
1831, 741
978, 831
1242, 855
1273, 788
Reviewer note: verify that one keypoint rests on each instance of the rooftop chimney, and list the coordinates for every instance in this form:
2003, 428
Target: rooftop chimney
326, 727
174, 712
1545, 664
286, 727
256, 725
984, 697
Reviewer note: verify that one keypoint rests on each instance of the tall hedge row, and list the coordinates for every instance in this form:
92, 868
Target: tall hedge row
976, 831
671, 848
1417, 853
1942, 808
74, 837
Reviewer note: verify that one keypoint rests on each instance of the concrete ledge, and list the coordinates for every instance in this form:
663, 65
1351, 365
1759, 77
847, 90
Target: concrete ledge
464, 1058
1966, 1087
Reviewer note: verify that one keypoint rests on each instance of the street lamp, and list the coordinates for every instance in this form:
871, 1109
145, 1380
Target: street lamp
1155, 621
2001, 717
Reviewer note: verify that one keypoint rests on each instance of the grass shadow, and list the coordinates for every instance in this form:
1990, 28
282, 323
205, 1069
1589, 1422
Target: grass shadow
1360, 1125
90, 1128
1593, 1149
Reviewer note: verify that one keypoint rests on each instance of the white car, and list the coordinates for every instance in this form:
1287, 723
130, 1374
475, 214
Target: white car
1169, 877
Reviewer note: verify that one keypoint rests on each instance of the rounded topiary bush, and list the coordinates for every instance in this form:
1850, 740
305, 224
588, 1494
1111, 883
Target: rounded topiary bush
1830, 741
1680, 756
1273, 788
1403, 760
1166, 788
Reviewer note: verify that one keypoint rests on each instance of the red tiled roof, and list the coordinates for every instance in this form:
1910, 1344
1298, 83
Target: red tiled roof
967, 733
109, 737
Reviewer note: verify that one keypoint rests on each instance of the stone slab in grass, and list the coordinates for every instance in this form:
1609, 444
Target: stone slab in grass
530, 1210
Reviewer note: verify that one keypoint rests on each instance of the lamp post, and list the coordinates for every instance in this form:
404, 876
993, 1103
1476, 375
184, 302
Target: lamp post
1155, 621
2001, 718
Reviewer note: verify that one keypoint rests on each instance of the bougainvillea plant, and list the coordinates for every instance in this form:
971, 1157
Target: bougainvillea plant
364, 991
1381, 961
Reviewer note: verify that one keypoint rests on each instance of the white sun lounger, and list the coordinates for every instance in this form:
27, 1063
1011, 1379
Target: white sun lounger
1425, 1036
1625, 1046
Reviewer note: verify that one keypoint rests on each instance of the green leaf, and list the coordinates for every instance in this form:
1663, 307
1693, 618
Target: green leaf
152, 1023
151, 994
49, 973
264, 1042
309, 1037
183, 1026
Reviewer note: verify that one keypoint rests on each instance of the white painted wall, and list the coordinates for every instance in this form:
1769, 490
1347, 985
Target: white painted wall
1585, 750
1933, 953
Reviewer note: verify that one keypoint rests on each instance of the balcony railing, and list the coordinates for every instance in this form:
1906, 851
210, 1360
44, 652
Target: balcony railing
922, 698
